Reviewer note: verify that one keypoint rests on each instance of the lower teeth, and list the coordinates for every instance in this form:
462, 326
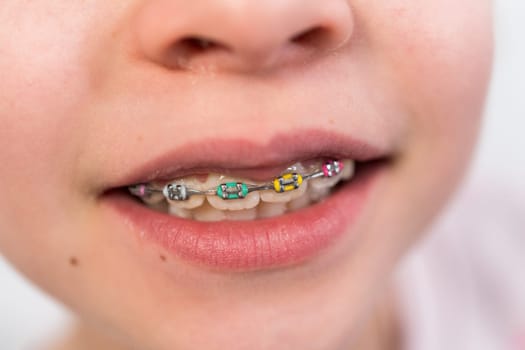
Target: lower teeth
258, 204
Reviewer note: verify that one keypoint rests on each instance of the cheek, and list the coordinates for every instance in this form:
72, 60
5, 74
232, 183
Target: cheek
43, 83
438, 55
442, 58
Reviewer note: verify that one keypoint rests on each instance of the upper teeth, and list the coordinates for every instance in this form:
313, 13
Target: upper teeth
296, 187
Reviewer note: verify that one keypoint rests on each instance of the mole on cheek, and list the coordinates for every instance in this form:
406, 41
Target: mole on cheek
73, 261
162, 257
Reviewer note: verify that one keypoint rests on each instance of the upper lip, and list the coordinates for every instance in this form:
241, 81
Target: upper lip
246, 158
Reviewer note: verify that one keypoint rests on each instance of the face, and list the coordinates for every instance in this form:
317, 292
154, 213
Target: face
99, 95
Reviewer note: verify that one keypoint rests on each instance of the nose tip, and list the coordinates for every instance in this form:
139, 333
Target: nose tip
235, 35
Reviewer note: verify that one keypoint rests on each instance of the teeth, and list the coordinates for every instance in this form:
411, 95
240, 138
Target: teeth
180, 212
299, 203
271, 196
191, 203
207, 213
318, 194
249, 202
241, 215
195, 200
154, 198
268, 210
323, 182
320, 188
348, 169
257, 204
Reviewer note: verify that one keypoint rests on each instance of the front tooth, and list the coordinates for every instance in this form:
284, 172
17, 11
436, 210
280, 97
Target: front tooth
268, 210
348, 169
241, 215
207, 213
271, 196
250, 201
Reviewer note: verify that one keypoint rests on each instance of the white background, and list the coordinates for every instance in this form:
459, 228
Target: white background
26, 315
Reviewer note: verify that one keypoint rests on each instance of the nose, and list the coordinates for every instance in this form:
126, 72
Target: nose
239, 35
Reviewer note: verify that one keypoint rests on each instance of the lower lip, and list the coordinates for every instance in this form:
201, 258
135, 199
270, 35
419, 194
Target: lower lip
281, 241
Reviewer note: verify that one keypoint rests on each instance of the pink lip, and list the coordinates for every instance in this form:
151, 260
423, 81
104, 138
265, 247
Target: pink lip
257, 244
245, 158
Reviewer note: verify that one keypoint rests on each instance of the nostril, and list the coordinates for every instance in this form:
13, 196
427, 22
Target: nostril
315, 36
237, 37
197, 43
193, 45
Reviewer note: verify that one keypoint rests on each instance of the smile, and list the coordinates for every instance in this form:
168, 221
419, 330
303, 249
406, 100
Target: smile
221, 197
240, 217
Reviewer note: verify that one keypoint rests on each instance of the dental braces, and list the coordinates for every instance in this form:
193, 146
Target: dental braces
287, 182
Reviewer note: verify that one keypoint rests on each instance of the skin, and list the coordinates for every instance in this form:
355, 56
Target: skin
88, 87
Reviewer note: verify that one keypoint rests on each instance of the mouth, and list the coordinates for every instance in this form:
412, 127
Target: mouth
217, 197
239, 206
